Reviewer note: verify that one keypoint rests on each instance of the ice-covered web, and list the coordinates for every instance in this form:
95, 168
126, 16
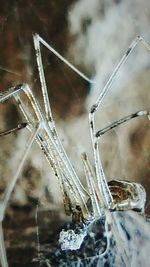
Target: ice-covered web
129, 245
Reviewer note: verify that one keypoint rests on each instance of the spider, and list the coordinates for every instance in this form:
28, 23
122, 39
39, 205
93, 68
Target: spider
101, 198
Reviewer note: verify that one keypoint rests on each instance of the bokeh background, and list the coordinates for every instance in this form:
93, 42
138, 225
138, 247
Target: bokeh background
93, 35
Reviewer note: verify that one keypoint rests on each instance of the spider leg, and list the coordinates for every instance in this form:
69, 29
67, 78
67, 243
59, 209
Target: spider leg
80, 191
45, 144
9, 190
105, 90
66, 185
20, 126
3, 257
47, 140
121, 121
93, 190
10, 93
73, 182
15, 91
101, 179
14, 180
96, 203
53, 158
37, 40
74, 185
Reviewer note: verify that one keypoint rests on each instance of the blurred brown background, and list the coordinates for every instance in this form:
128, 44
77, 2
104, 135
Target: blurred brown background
93, 35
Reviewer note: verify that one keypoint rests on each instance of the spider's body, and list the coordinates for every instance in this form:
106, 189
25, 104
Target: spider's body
127, 195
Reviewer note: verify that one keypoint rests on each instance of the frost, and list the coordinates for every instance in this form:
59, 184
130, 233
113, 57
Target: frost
71, 240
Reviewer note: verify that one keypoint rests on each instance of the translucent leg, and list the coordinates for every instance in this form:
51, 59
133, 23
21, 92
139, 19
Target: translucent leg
7, 196
122, 120
80, 190
93, 190
3, 257
19, 127
101, 179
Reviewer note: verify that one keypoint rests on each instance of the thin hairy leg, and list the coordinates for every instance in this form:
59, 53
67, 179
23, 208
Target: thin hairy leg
50, 158
8, 193
80, 190
3, 257
11, 92
14, 92
51, 154
48, 145
20, 126
121, 121
102, 183
47, 142
92, 187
